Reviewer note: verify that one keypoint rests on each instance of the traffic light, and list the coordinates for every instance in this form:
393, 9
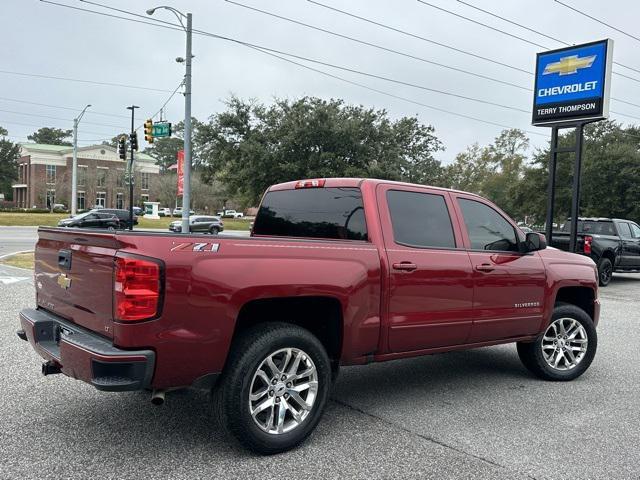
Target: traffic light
122, 147
148, 130
133, 137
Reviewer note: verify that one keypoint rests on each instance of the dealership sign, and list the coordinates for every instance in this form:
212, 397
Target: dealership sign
572, 84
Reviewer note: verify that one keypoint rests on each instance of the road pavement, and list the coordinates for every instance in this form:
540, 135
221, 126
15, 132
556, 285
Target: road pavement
474, 414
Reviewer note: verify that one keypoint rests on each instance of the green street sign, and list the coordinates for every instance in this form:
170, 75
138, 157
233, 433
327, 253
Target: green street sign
161, 130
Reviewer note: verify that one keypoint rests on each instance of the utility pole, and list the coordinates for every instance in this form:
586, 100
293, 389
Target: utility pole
74, 166
132, 143
186, 195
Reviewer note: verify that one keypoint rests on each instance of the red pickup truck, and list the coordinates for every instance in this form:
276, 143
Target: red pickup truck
336, 272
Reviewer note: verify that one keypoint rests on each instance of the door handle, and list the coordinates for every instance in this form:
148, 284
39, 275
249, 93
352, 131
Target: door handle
405, 266
485, 267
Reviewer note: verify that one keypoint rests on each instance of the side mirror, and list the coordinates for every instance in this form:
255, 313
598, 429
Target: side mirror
535, 241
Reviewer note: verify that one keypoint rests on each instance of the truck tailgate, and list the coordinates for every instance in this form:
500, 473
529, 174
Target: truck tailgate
74, 276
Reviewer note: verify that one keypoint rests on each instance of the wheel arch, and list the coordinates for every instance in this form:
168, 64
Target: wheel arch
321, 315
580, 296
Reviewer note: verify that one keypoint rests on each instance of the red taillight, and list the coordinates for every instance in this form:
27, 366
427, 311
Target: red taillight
136, 289
317, 183
587, 244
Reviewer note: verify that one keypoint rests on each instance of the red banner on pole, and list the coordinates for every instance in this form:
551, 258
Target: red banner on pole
180, 172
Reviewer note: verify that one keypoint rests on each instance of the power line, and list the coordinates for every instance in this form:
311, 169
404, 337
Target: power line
598, 20
61, 107
374, 45
420, 37
163, 105
78, 80
3, 122
274, 52
326, 64
537, 32
509, 34
57, 118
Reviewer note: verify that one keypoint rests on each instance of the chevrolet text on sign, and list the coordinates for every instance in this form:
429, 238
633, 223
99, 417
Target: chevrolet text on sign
572, 84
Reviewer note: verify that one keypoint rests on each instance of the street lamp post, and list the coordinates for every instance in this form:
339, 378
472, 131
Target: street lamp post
74, 167
186, 195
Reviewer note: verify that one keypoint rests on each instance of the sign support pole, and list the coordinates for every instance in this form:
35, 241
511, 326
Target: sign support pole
551, 190
575, 194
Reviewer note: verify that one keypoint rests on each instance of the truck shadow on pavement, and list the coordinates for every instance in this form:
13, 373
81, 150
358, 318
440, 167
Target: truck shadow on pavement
187, 418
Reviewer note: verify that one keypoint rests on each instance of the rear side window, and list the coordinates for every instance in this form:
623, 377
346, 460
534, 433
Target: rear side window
333, 213
420, 219
488, 230
625, 231
591, 226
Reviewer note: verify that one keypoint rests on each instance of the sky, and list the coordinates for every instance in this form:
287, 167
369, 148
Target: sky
39, 38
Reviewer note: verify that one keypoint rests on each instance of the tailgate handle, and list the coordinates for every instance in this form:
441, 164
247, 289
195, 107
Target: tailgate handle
64, 259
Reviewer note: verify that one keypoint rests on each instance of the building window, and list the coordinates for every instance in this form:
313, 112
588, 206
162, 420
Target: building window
120, 200
51, 174
82, 175
144, 197
80, 200
101, 177
144, 181
101, 199
120, 178
51, 196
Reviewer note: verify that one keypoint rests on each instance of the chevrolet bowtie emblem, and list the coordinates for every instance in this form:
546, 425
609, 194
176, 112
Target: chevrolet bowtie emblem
569, 65
64, 281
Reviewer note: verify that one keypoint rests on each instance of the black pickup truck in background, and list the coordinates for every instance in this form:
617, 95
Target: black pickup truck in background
612, 243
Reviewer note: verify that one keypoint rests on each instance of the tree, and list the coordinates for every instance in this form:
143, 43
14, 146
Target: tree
251, 146
9, 153
51, 136
165, 151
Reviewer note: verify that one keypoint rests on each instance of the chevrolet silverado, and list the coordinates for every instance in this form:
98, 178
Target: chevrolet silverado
336, 272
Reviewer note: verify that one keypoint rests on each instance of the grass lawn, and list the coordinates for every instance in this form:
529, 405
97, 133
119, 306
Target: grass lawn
51, 220
21, 260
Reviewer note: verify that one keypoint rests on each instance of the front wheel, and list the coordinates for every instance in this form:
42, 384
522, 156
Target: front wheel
566, 348
605, 271
214, 230
275, 387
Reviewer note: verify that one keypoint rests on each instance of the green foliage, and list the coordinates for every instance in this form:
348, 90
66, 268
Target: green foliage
165, 151
51, 136
9, 153
251, 146
502, 173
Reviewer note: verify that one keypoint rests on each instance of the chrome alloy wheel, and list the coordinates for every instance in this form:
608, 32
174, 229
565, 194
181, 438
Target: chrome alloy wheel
283, 390
564, 344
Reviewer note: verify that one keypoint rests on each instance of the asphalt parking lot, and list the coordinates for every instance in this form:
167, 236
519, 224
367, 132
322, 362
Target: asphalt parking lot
474, 414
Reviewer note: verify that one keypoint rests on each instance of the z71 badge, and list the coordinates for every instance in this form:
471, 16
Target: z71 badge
195, 247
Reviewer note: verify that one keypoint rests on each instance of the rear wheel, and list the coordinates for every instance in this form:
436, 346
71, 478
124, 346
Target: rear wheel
565, 349
275, 387
605, 271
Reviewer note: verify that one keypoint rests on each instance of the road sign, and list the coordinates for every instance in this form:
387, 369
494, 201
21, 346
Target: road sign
572, 84
161, 129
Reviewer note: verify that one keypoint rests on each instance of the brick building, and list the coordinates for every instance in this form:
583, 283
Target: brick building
44, 177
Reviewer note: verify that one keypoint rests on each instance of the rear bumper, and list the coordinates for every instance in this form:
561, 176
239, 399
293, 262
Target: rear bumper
83, 355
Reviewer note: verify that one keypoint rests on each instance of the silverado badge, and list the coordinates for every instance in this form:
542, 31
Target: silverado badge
64, 281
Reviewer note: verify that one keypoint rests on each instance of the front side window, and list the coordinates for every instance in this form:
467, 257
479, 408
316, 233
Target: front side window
635, 230
420, 219
332, 213
487, 229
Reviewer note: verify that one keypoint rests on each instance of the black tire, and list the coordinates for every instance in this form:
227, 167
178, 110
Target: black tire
231, 394
214, 230
531, 355
605, 271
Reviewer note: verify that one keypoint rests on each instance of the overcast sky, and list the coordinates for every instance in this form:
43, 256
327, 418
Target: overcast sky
43, 39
